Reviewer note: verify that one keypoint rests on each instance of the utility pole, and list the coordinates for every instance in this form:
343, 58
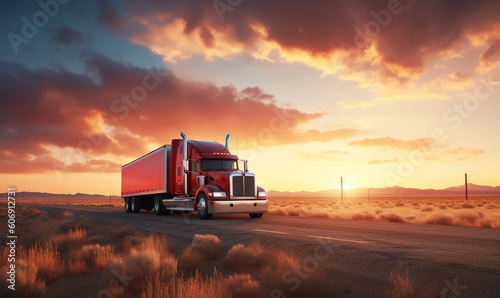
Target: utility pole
341, 189
466, 189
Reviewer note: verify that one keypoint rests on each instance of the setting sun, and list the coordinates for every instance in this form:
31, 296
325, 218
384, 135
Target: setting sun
231, 148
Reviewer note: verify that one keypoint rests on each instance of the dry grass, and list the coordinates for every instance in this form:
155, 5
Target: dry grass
209, 246
477, 212
155, 242
367, 216
252, 272
138, 266
242, 285
270, 267
391, 217
468, 205
440, 219
45, 257
241, 258
28, 283
400, 285
71, 246
150, 269
71, 240
203, 249
90, 258
210, 286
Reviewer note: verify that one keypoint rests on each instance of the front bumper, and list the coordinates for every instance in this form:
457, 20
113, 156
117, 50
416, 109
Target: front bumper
237, 206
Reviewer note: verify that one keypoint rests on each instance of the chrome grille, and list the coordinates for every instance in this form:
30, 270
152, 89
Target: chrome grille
238, 186
243, 186
249, 186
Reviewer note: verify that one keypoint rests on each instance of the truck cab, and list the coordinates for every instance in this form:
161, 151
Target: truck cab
213, 180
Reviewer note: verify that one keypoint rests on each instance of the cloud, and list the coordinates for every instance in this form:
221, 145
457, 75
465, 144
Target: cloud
109, 18
69, 37
322, 155
492, 52
381, 161
397, 144
54, 118
457, 154
490, 58
372, 42
40, 161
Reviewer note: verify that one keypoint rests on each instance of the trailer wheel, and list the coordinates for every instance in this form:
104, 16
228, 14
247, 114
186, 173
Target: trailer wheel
159, 209
136, 205
256, 215
202, 207
128, 208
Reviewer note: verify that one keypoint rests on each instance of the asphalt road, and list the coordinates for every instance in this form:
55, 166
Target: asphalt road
442, 261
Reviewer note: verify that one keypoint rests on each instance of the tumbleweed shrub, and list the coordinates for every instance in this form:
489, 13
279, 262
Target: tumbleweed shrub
391, 217
207, 245
440, 219
242, 285
136, 268
89, 258
241, 258
71, 240
155, 242
365, 216
203, 248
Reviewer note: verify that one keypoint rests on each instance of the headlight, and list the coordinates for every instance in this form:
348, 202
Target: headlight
219, 194
262, 194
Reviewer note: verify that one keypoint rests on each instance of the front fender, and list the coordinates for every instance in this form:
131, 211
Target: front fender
209, 189
260, 190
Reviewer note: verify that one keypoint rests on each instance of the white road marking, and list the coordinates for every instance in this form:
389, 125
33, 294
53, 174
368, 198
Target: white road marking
268, 231
312, 236
339, 239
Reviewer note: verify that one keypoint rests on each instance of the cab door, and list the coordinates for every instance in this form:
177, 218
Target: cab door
194, 171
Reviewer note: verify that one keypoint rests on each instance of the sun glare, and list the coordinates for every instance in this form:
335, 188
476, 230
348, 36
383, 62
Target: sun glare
347, 186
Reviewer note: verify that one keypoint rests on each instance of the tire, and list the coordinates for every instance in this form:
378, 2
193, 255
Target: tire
128, 208
256, 215
136, 205
159, 209
202, 207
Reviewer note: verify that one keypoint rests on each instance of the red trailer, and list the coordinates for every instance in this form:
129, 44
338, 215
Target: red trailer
191, 175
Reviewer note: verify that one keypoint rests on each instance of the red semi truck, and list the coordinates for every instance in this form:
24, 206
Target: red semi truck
191, 175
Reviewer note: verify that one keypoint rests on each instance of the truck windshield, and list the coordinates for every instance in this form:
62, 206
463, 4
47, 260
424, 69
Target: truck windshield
218, 164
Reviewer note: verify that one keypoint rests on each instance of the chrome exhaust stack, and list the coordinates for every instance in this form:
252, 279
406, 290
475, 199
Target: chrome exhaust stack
185, 163
227, 141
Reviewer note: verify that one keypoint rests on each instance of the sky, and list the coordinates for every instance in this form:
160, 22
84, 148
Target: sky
383, 93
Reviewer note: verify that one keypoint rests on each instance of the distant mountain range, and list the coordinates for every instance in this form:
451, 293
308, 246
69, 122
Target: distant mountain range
395, 191
45, 195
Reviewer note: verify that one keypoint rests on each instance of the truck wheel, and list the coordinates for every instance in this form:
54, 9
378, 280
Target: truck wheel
256, 215
136, 205
159, 209
202, 207
127, 205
